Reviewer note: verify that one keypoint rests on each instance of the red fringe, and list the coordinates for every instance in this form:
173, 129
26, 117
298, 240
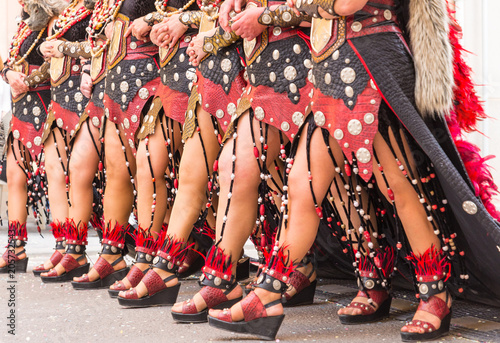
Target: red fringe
58, 230
431, 262
464, 116
76, 234
279, 261
18, 230
115, 234
384, 259
173, 247
219, 261
144, 239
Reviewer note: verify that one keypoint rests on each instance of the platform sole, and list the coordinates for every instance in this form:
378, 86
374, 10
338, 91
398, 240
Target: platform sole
201, 317
165, 297
304, 297
102, 283
68, 276
443, 330
264, 328
20, 266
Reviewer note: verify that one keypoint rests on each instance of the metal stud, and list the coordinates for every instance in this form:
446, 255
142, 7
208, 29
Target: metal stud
338, 134
285, 126
226, 65
290, 72
348, 75
259, 113
354, 127
319, 118
469, 207
363, 155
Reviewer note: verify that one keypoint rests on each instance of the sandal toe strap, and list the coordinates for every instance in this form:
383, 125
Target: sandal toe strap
189, 307
434, 306
366, 309
135, 275
55, 258
253, 308
153, 282
213, 296
428, 327
103, 267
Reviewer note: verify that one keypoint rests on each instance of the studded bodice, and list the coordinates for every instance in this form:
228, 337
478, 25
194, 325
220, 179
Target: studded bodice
134, 9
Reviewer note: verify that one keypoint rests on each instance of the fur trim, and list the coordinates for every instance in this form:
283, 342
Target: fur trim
51, 7
433, 56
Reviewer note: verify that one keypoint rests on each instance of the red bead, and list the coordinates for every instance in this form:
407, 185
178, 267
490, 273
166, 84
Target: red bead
101, 166
347, 169
216, 165
262, 209
219, 138
367, 236
399, 246
265, 146
256, 152
319, 212
176, 183
390, 194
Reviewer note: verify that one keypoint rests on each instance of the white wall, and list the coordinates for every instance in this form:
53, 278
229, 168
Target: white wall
481, 28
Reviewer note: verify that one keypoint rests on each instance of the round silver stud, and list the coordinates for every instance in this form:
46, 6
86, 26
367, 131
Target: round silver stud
319, 118
290, 73
356, 26
297, 49
226, 65
231, 108
469, 207
363, 155
285, 126
348, 75
354, 127
349, 91
298, 118
338, 134
259, 113
369, 118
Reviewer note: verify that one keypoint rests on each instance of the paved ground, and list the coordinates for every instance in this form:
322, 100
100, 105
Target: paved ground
57, 313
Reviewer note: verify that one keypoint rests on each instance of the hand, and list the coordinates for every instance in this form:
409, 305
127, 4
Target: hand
195, 48
50, 49
16, 81
108, 30
226, 8
158, 32
139, 29
169, 31
291, 4
86, 85
246, 25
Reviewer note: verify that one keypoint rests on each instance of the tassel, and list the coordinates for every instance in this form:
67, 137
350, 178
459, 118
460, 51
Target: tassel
114, 236
172, 249
76, 234
58, 230
218, 263
279, 263
431, 263
384, 260
18, 231
144, 241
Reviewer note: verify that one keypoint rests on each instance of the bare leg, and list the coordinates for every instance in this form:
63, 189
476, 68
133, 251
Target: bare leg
418, 229
18, 196
82, 168
154, 166
118, 197
55, 175
191, 197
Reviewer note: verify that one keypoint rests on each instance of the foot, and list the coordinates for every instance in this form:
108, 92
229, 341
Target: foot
141, 288
423, 316
47, 265
265, 297
305, 270
125, 282
200, 302
353, 310
93, 275
3, 259
60, 269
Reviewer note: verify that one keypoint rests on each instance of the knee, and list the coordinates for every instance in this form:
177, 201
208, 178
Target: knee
15, 177
80, 171
245, 170
298, 185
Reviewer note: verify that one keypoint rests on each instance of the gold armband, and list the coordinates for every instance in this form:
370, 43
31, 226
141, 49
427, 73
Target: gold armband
191, 18
76, 49
38, 76
153, 18
219, 40
282, 16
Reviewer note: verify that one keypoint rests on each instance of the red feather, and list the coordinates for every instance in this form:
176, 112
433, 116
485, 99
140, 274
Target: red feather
220, 262
58, 230
76, 234
431, 262
384, 259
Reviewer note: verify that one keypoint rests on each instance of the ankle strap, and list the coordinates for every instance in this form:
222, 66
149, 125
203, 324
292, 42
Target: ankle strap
108, 249
118, 260
430, 286
60, 245
218, 282
141, 257
272, 303
163, 264
75, 249
272, 284
21, 252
